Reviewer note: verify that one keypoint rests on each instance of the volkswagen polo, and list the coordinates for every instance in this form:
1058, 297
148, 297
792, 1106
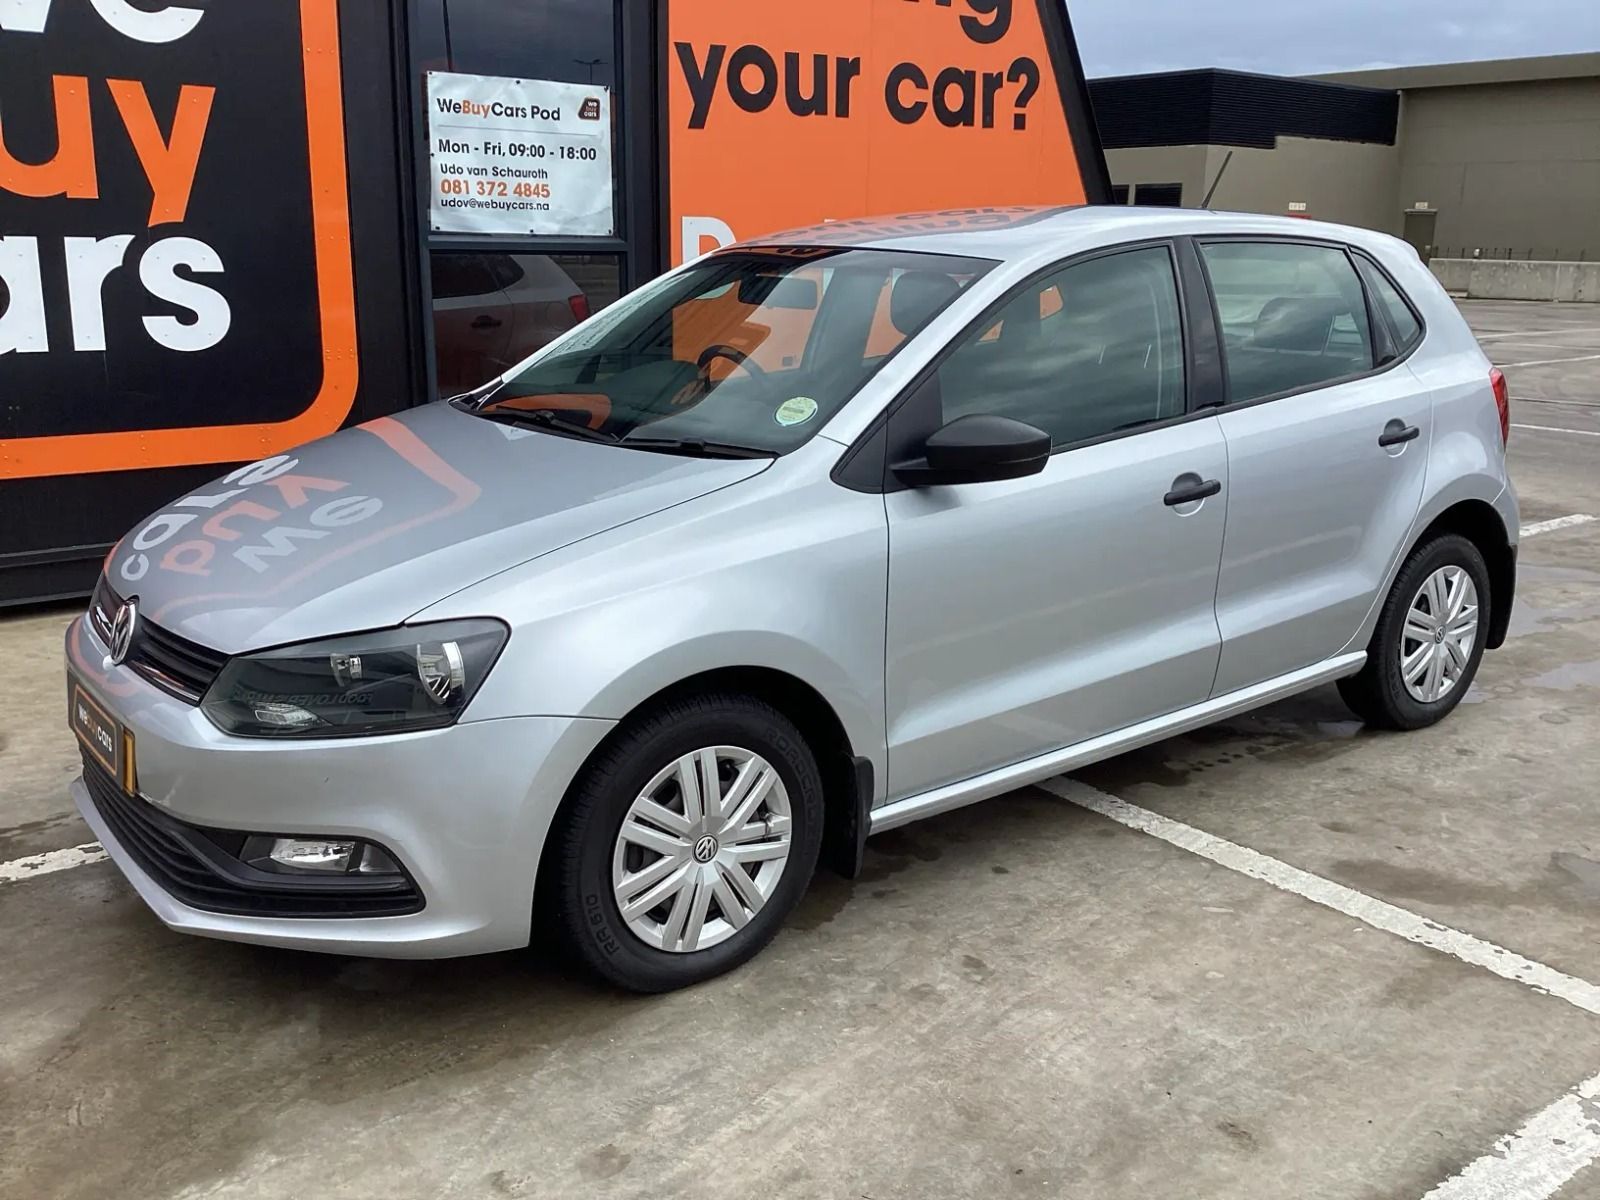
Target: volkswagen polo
805, 540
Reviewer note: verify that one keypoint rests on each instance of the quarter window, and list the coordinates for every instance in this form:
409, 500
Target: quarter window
1094, 349
1407, 329
1293, 316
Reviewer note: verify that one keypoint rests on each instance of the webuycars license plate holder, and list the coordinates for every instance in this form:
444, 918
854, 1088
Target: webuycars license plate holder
101, 734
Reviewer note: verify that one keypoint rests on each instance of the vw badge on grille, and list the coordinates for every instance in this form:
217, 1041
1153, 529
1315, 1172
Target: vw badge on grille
122, 631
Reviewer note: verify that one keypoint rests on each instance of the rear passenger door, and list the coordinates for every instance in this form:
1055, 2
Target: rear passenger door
1327, 433
1030, 614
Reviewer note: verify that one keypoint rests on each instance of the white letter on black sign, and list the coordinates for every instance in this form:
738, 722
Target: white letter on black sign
89, 261
24, 16
22, 326
167, 25
213, 317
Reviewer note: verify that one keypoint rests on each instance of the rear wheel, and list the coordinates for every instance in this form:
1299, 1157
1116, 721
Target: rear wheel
688, 841
1429, 639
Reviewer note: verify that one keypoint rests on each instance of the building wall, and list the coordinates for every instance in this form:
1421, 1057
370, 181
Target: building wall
1509, 166
1351, 182
1162, 164
1506, 152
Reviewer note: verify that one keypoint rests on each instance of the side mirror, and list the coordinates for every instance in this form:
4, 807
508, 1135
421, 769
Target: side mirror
978, 449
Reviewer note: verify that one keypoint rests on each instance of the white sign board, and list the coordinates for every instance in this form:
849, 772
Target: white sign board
519, 156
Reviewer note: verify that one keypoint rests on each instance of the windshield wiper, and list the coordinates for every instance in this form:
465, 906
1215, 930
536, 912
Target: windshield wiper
544, 419
696, 448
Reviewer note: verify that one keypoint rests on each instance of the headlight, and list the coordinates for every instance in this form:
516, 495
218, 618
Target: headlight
419, 677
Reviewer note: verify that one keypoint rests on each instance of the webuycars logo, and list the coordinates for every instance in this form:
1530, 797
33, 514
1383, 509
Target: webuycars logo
174, 233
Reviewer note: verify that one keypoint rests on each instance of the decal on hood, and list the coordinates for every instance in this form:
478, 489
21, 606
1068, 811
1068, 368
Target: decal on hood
276, 513
365, 528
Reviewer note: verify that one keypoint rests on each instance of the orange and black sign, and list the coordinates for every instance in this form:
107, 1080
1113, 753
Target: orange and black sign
176, 284
786, 114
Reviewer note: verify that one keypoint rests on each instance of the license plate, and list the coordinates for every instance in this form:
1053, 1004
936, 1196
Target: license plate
101, 734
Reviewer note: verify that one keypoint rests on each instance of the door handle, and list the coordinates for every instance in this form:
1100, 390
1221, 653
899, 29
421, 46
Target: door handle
487, 322
1398, 433
1190, 492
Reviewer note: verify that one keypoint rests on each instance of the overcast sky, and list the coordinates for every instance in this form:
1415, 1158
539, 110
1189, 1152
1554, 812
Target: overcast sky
1294, 37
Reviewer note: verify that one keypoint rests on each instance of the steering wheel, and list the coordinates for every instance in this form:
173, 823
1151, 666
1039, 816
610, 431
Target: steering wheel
692, 393
734, 355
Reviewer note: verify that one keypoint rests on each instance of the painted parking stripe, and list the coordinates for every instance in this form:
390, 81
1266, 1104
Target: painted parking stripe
1555, 1144
1369, 910
1517, 333
56, 860
1550, 362
1555, 523
1554, 429
1536, 1161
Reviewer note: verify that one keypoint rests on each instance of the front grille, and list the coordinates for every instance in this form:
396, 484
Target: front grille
176, 665
195, 866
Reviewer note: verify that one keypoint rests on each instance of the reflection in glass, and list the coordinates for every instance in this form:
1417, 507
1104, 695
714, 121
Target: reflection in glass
491, 311
744, 351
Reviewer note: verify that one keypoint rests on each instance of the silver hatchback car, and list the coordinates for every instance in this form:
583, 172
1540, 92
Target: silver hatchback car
803, 541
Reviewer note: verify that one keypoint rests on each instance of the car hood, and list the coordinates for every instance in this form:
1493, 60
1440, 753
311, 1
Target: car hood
364, 528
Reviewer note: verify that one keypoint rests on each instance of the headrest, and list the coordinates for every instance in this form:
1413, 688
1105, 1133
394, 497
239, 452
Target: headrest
1296, 323
918, 296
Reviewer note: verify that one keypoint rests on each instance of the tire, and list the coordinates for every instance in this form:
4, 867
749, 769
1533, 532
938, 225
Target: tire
1379, 694
638, 953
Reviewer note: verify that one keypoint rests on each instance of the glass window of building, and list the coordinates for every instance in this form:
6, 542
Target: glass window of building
499, 298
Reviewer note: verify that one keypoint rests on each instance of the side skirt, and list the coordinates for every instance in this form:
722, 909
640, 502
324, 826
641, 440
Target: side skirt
1005, 779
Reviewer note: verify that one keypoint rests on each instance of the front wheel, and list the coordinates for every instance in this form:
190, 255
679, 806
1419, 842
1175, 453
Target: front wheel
1429, 639
688, 841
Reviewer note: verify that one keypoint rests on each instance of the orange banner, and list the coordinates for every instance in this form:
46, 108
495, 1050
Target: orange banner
787, 113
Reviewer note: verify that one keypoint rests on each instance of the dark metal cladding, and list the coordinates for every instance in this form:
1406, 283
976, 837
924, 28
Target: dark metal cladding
1233, 108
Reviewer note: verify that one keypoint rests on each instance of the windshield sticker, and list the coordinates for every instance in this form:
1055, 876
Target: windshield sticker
796, 412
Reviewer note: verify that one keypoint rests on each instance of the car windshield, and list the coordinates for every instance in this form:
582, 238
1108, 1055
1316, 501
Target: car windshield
746, 351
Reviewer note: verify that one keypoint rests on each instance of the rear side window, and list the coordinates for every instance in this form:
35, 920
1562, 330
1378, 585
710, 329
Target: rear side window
1293, 316
1093, 349
1402, 319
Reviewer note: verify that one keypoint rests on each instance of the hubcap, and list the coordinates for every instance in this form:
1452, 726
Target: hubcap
1440, 631
701, 849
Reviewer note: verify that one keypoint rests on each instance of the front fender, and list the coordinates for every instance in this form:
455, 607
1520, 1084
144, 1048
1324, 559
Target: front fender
787, 572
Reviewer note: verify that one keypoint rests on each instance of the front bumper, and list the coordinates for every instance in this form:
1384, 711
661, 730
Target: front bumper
465, 810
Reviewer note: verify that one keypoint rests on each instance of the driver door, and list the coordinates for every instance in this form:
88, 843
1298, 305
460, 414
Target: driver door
1028, 615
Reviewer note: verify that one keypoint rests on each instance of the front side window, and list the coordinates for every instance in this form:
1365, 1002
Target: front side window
1093, 349
1293, 316
1407, 329
750, 350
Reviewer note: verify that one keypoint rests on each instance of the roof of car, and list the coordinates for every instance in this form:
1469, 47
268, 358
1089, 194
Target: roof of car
1016, 233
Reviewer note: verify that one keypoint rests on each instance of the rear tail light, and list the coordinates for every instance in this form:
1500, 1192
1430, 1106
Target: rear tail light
1502, 401
579, 305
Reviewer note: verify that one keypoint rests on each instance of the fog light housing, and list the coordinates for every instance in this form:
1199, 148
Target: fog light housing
318, 856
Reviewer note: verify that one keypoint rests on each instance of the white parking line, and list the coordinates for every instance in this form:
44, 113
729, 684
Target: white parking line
1555, 1144
1550, 362
1555, 523
56, 860
1537, 1160
1554, 429
1369, 910
1531, 333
